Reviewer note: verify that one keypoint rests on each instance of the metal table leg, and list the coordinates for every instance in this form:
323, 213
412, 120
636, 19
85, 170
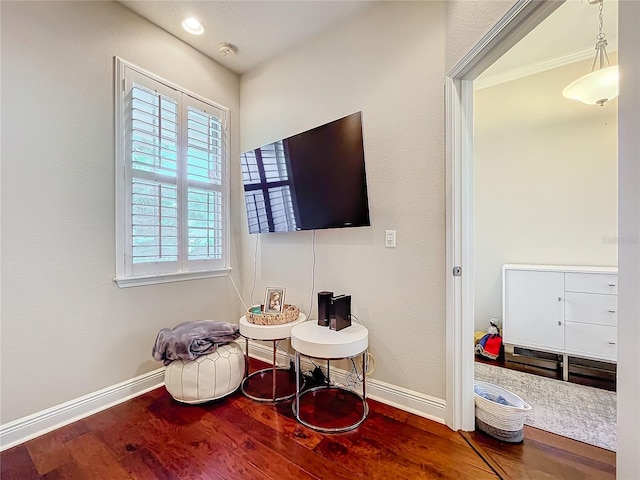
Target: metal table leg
246, 358
364, 375
297, 412
267, 391
273, 369
325, 388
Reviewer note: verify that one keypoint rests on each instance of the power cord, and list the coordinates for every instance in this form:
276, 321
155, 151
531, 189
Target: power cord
255, 268
371, 364
315, 378
353, 377
318, 375
313, 275
286, 352
237, 291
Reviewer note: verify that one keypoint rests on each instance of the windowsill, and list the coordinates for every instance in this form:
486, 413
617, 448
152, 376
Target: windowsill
125, 282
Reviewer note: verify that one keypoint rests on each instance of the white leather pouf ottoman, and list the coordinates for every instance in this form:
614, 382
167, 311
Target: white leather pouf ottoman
208, 377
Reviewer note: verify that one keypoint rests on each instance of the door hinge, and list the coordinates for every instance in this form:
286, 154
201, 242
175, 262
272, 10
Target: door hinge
457, 271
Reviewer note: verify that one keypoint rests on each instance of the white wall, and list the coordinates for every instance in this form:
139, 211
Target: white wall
70, 331
628, 434
67, 330
389, 63
467, 22
545, 173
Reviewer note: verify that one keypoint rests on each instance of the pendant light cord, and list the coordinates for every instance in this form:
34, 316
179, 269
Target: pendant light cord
601, 43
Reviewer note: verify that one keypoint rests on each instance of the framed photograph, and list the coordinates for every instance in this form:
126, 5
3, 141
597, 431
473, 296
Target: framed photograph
274, 300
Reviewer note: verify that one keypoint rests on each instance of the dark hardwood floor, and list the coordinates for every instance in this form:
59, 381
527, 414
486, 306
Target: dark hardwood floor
543, 455
154, 437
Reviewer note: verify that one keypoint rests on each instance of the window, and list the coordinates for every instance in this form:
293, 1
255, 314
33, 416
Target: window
267, 189
171, 181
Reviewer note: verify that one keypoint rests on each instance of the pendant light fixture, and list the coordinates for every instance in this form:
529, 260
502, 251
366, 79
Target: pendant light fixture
601, 85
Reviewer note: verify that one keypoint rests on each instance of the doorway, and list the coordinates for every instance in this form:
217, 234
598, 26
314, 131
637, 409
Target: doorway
513, 27
458, 93
545, 200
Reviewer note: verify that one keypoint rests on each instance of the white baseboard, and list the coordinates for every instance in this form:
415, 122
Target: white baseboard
23, 429
26, 428
402, 398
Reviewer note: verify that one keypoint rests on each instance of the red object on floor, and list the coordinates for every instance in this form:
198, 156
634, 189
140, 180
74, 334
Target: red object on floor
489, 346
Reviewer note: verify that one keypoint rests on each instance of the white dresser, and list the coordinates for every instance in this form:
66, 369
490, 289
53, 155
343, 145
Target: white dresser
567, 310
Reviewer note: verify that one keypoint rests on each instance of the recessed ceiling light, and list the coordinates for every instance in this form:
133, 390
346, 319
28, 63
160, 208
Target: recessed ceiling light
193, 25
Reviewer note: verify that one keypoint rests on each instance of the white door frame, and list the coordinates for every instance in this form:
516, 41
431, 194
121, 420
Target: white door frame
516, 23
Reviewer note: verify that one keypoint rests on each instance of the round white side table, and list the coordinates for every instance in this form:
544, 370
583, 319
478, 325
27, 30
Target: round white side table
328, 408
262, 385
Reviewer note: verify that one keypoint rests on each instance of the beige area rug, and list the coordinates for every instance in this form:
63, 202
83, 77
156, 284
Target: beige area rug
586, 414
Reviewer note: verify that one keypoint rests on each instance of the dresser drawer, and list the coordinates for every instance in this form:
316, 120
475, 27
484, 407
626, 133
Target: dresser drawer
595, 341
591, 283
591, 308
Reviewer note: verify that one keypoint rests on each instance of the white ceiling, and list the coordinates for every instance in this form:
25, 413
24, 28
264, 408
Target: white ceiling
260, 30
568, 35
263, 29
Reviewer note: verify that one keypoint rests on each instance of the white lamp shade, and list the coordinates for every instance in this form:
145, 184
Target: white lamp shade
595, 88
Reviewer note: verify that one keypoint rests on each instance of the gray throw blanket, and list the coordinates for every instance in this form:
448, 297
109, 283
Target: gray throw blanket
191, 339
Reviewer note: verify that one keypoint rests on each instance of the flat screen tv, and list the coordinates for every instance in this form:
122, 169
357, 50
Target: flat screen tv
309, 181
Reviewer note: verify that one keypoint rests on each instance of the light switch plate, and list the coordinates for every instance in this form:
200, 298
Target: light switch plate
390, 239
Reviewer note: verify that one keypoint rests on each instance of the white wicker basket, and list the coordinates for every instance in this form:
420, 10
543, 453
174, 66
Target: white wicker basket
508, 418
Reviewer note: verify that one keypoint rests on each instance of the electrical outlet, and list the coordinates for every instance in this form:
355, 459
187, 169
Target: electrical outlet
390, 239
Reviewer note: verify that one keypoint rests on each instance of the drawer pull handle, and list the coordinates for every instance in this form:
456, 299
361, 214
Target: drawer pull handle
612, 284
611, 342
612, 311
559, 322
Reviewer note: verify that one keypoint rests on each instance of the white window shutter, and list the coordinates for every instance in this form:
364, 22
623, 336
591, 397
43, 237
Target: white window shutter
173, 195
206, 196
153, 139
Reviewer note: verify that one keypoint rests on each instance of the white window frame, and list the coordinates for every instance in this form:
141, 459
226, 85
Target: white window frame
126, 274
